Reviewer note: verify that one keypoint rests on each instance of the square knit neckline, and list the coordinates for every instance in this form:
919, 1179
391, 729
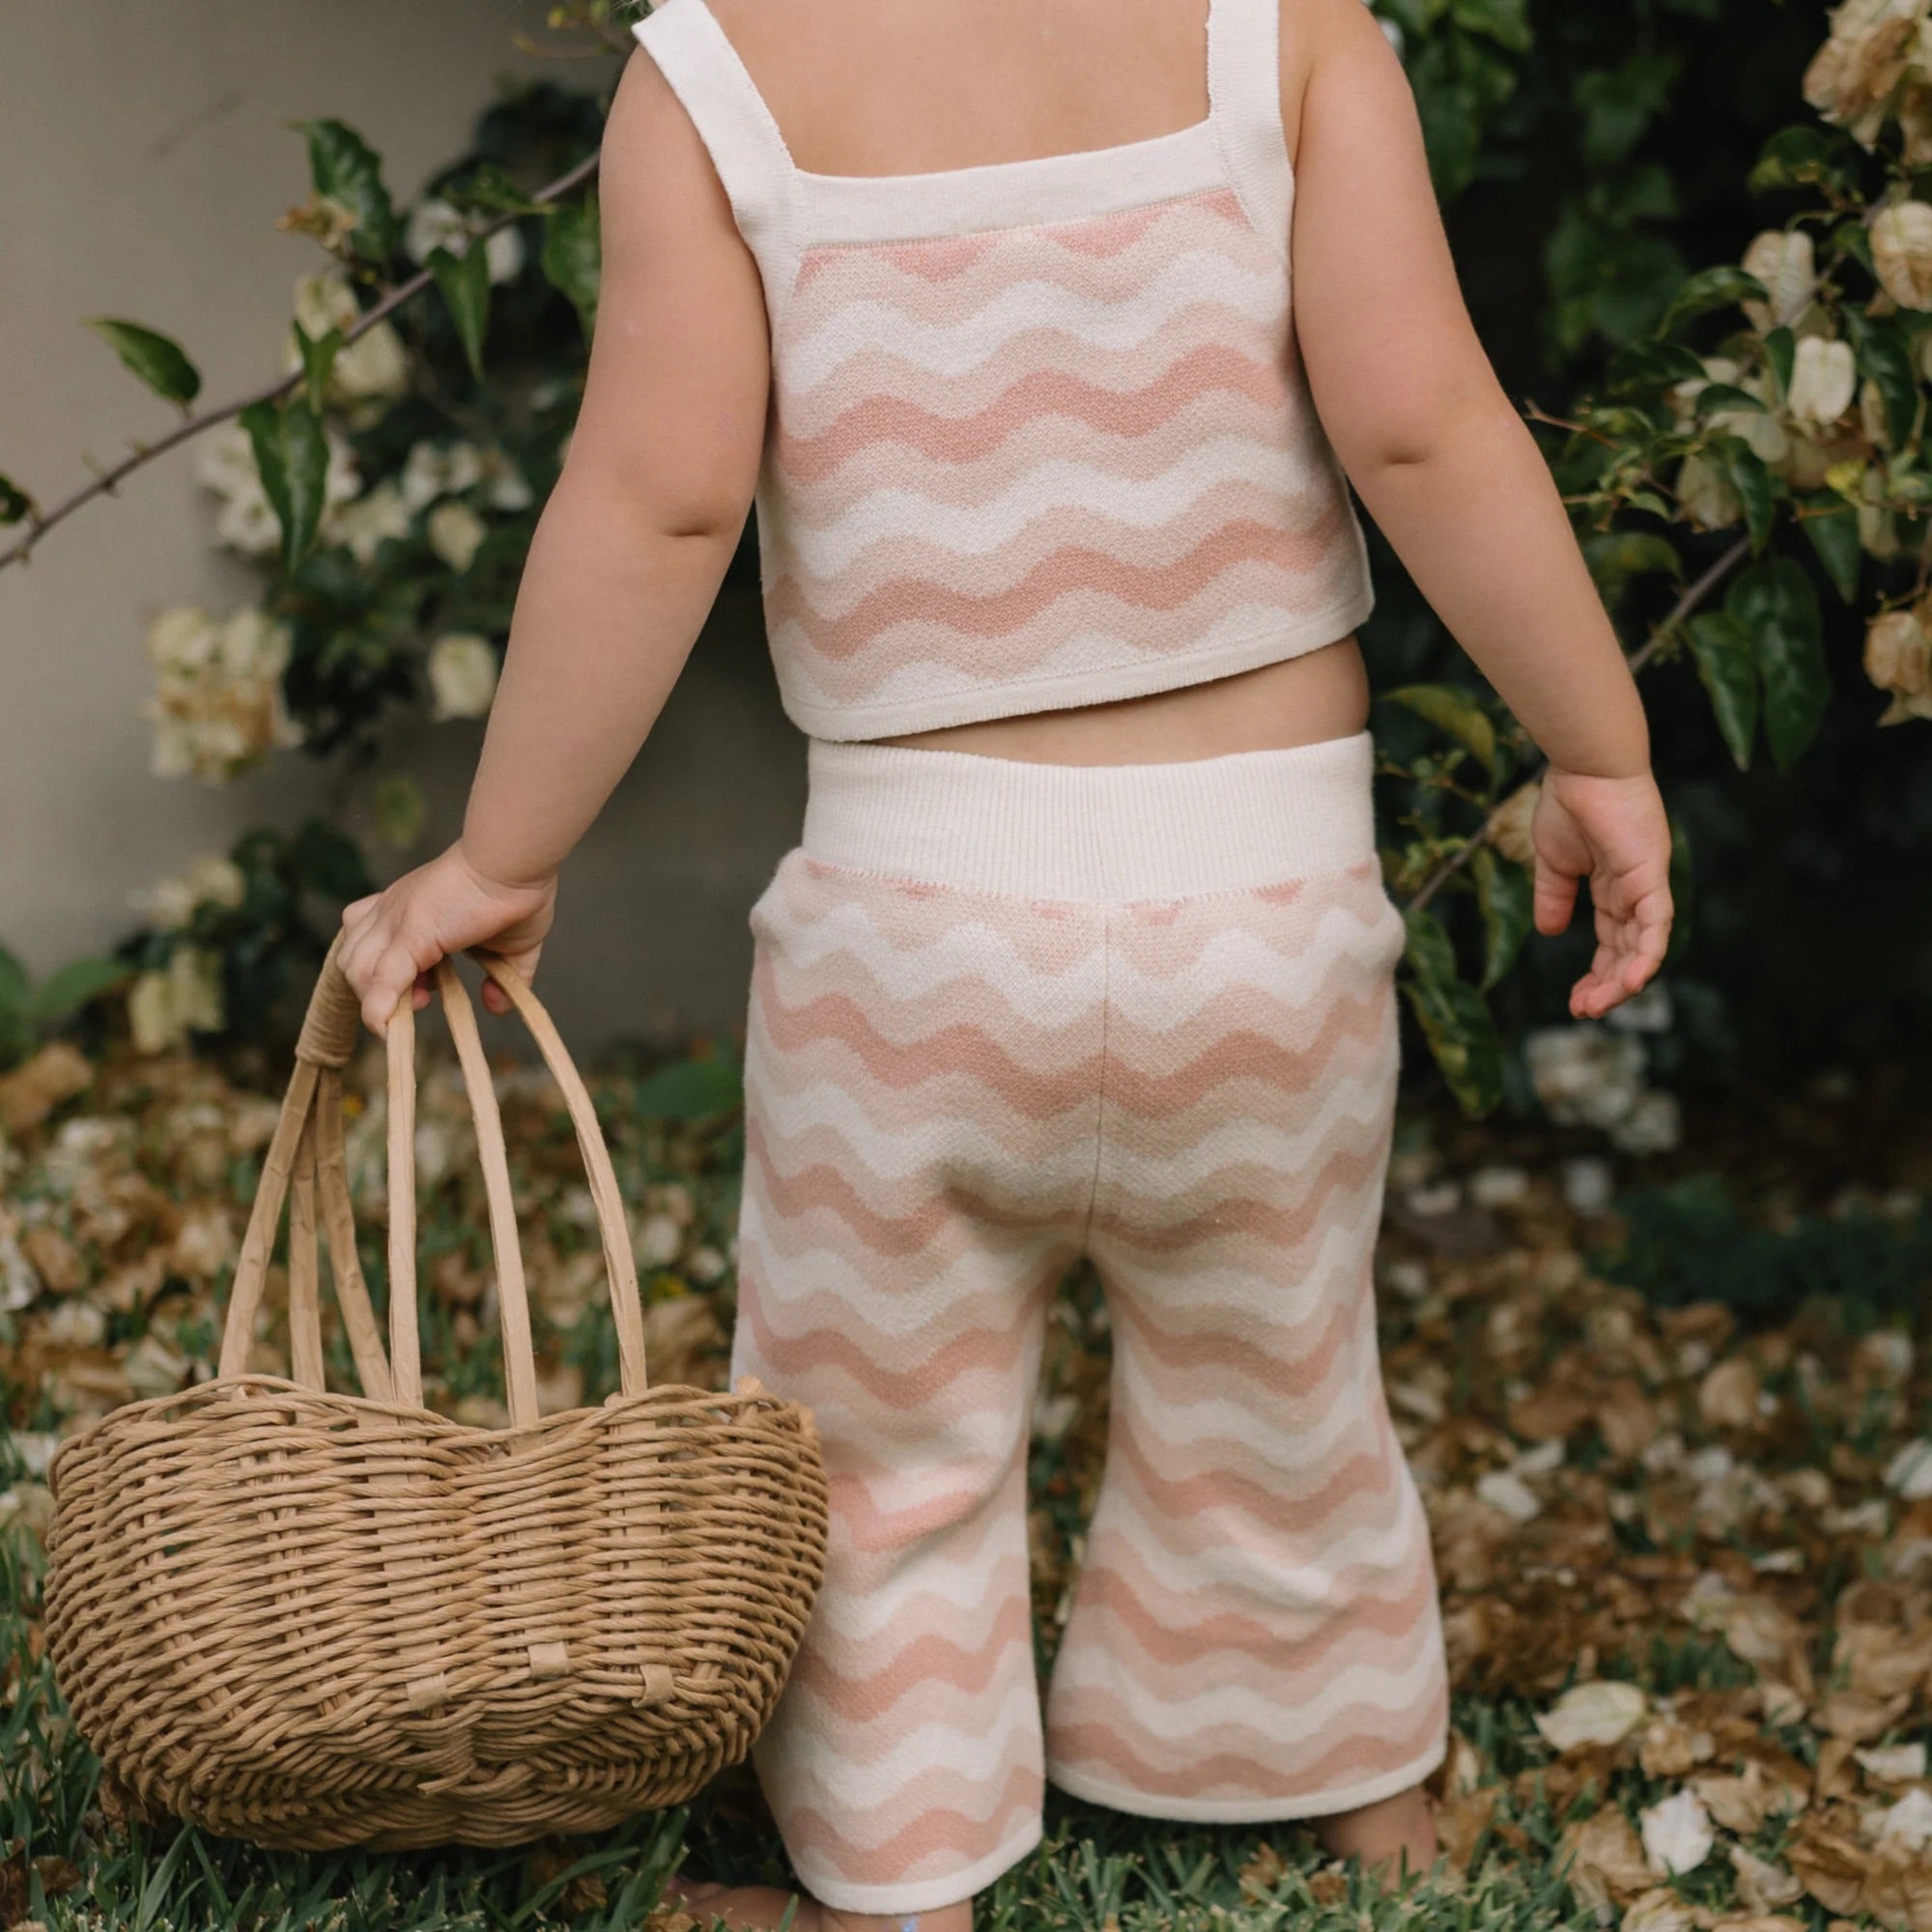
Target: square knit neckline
1072, 162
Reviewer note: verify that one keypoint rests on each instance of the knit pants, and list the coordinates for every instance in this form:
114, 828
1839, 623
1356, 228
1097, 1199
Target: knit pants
1003, 1014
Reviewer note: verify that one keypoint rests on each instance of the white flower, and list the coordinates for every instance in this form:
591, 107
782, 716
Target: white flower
247, 522
1824, 380
1898, 659
508, 490
1601, 1713
162, 1007
173, 902
1677, 1834
1707, 495
217, 707
1647, 1011
462, 676
1588, 1184
433, 469
455, 531
360, 527
1901, 238
1786, 263
435, 223
374, 369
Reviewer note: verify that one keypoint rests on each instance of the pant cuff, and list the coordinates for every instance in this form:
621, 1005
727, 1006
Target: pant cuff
924, 1894
1248, 1810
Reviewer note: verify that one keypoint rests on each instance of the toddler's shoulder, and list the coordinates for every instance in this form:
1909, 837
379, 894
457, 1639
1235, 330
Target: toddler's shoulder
1319, 37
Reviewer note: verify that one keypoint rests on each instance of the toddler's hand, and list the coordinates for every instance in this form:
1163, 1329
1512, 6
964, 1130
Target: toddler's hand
393, 938
1613, 832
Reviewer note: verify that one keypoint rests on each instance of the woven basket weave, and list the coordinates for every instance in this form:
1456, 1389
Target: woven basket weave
314, 1620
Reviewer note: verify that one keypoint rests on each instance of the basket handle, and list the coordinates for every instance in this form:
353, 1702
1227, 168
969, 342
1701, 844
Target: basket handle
328, 1039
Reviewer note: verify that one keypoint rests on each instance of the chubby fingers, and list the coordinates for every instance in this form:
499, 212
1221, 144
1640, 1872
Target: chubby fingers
1629, 949
1555, 899
381, 964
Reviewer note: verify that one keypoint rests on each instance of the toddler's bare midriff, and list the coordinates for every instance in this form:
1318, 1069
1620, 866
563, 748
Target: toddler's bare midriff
1301, 701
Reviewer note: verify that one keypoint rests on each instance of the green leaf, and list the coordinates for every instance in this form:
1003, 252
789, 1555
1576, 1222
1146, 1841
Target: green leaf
1727, 396
1615, 556
1618, 105
318, 355
1455, 711
1855, 239
689, 1088
14, 503
1505, 894
1682, 888
1708, 289
1832, 526
307, 449
573, 256
343, 166
1751, 477
491, 191
1728, 669
1780, 349
1650, 366
16, 994
291, 454
1775, 603
1803, 157
402, 812
1504, 21
155, 358
464, 282
1454, 1017
1884, 351
328, 862
68, 988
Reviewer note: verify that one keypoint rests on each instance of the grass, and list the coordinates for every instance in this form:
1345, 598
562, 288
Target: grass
1530, 1604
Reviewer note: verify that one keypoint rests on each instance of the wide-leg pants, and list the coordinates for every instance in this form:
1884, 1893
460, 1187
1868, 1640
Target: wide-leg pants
1003, 1014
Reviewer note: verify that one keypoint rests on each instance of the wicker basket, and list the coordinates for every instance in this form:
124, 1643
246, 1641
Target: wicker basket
315, 1620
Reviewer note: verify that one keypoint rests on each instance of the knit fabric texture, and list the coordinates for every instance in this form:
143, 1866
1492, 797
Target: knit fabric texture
1040, 431
953, 1093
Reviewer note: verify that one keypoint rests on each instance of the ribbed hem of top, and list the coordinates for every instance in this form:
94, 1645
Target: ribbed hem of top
1274, 642
1092, 832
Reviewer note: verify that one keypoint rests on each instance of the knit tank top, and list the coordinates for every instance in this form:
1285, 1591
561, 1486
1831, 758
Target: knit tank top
1039, 433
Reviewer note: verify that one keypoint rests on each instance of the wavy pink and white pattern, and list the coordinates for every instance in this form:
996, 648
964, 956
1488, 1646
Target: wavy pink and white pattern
950, 1095
1077, 450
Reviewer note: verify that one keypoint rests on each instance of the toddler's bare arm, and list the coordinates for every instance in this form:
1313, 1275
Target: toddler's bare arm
625, 560
1444, 461
1454, 479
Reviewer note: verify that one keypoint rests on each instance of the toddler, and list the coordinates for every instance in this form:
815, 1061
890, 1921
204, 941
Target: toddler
1047, 337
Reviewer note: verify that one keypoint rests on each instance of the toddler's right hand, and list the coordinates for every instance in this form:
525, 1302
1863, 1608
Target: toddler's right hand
391, 939
1614, 833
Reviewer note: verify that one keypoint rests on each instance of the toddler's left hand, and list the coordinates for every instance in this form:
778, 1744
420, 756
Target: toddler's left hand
1615, 833
393, 938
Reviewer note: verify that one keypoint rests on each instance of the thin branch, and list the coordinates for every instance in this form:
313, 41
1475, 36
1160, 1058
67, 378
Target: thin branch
1690, 600
40, 524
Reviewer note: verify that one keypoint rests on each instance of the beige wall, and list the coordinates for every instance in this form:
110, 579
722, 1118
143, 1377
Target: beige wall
145, 159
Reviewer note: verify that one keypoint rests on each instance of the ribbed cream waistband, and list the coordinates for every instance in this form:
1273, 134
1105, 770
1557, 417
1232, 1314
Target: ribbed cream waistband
1091, 831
